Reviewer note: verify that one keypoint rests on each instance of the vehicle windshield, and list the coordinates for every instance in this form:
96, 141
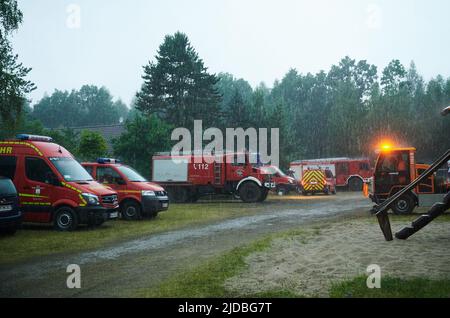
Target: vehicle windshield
70, 169
7, 187
274, 171
131, 174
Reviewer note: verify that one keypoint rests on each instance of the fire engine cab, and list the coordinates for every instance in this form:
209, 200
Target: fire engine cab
53, 187
137, 196
186, 177
396, 168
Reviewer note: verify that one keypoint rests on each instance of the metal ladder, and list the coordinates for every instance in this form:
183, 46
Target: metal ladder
217, 173
437, 209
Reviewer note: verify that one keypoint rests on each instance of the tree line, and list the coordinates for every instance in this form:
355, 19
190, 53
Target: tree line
343, 111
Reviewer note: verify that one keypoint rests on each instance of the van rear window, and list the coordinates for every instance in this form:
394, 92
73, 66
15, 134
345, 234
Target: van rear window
8, 166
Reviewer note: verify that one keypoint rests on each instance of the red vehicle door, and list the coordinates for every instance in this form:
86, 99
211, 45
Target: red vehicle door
36, 189
108, 176
235, 170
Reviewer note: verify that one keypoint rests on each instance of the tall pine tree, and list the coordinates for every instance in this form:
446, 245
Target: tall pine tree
177, 87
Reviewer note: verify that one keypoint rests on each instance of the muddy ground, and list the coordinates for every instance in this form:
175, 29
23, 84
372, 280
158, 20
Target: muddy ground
122, 269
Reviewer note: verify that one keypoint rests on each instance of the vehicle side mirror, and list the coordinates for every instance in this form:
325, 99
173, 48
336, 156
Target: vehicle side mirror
53, 180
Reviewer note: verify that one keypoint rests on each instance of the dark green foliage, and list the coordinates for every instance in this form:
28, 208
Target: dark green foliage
89, 106
13, 83
144, 135
92, 145
177, 87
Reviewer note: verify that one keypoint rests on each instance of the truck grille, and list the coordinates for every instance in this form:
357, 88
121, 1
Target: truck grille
110, 199
161, 193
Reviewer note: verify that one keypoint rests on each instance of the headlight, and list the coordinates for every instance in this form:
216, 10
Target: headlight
291, 181
90, 198
148, 193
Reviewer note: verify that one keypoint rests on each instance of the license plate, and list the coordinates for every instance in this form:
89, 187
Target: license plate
113, 215
165, 205
4, 208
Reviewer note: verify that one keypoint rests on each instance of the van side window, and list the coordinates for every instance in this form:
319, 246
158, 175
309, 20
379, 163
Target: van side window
8, 166
36, 169
108, 175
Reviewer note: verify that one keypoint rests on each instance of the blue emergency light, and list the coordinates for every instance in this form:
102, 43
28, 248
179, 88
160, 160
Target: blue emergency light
107, 160
34, 137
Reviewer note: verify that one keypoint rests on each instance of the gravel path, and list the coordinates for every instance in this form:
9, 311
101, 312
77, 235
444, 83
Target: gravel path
124, 268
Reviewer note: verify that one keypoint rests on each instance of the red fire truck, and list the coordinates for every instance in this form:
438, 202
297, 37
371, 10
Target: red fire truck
187, 177
348, 172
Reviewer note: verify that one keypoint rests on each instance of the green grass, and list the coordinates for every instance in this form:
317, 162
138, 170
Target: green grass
207, 280
392, 287
36, 240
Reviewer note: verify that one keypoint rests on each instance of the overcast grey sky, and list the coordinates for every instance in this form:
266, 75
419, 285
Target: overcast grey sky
109, 41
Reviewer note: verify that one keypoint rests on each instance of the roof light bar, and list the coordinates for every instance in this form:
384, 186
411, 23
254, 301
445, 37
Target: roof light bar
107, 160
34, 137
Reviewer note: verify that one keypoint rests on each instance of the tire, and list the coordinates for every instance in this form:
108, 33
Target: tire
355, 184
65, 219
178, 194
250, 192
264, 195
131, 210
403, 205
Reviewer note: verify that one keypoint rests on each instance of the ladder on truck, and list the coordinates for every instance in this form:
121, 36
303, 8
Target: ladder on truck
437, 209
217, 173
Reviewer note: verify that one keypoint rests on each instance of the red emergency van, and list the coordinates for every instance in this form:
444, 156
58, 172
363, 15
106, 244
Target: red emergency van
137, 196
53, 187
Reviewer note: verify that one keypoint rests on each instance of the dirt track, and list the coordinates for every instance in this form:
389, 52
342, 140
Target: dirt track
122, 269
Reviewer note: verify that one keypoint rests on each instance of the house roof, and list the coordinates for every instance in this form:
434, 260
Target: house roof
109, 132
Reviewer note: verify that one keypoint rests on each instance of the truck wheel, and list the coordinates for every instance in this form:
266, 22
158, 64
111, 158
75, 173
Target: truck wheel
355, 184
403, 205
250, 192
131, 210
264, 195
65, 219
178, 194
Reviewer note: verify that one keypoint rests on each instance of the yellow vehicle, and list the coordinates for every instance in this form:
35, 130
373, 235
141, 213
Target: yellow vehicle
318, 181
